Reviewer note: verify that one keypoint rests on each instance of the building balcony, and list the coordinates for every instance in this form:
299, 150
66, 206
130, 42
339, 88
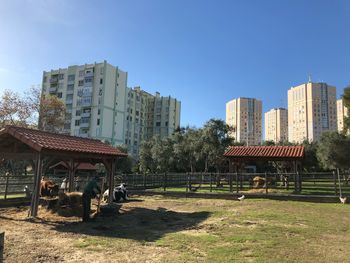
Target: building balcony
69, 92
53, 90
69, 101
54, 80
84, 135
89, 74
85, 114
84, 125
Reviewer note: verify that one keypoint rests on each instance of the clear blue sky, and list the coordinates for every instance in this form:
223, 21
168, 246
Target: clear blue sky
202, 52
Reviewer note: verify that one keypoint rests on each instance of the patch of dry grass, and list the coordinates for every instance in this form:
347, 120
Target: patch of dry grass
158, 229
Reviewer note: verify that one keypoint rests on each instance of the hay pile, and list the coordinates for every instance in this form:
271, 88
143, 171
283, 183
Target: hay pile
69, 204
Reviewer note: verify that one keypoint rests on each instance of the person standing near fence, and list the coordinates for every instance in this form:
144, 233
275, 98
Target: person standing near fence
90, 191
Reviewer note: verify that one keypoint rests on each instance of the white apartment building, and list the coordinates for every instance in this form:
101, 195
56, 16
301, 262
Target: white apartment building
245, 116
276, 125
99, 105
342, 112
149, 116
311, 111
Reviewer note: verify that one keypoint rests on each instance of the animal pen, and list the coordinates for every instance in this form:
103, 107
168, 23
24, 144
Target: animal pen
43, 149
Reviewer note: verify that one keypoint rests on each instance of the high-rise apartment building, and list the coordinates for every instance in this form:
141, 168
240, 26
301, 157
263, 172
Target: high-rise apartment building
245, 116
100, 105
311, 111
149, 116
342, 112
276, 125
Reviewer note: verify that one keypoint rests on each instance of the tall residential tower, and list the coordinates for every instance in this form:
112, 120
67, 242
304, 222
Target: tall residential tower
276, 125
311, 111
245, 116
342, 112
100, 105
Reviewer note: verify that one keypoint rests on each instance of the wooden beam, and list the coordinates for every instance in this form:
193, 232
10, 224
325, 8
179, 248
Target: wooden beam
17, 156
71, 175
111, 181
36, 192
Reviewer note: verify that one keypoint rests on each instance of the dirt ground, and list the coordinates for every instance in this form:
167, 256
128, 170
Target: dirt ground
158, 229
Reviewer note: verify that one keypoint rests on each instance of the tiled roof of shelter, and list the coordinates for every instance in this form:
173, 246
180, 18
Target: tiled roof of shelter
265, 152
40, 140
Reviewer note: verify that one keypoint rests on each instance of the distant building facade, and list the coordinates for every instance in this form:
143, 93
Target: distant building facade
276, 125
311, 111
100, 105
342, 112
245, 116
149, 115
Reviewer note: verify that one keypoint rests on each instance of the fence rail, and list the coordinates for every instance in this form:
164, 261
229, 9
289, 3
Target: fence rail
286, 183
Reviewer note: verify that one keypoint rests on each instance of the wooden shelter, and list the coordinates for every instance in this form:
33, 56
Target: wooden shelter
242, 154
44, 149
82, 168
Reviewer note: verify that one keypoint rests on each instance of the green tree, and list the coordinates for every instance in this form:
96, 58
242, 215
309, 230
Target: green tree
215, 141
14, 110
146, 162
334, 150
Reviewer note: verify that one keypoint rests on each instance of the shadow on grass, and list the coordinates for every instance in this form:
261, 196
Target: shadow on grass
140, 224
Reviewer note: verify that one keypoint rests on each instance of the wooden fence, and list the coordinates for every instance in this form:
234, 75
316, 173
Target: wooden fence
303, 183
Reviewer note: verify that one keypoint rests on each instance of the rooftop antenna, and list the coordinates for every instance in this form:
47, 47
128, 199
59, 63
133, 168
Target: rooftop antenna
310, 78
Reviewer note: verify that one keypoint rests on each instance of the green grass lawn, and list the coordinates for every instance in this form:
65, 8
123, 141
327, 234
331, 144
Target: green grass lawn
12, 196
202, 230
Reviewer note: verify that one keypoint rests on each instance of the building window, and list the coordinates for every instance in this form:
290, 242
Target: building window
71, 77
158, 123
81, 73
77, 122
45, 79
70, 87
98, 112
59, 95
101, 81
166, 123
88, 79
81, 83
60, 76
98, 121
77, 113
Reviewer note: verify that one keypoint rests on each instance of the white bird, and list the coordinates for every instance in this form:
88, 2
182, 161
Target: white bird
343, 199
241, 198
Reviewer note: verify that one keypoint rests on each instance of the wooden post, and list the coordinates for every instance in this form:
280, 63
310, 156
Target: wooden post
71, 175
187, 182
6, 185
335, 184
230, 180
144, 181
111, 181
36, 193
300, 182
237, 190
266, 184
2, 244
164, 182
211, 182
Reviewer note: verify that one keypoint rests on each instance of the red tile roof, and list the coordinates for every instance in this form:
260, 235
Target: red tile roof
265, 152
81, 166
40, 140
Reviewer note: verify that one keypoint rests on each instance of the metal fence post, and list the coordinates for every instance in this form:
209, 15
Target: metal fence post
266, 184
230, 178
144, 181
237, 190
